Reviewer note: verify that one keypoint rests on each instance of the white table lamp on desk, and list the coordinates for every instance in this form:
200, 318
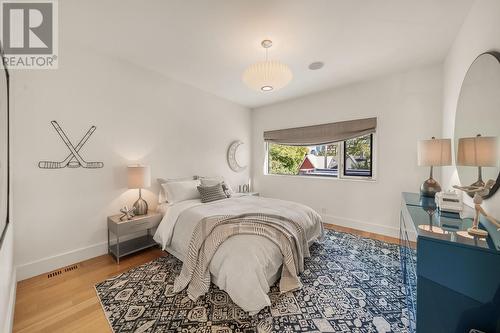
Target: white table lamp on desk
139, 177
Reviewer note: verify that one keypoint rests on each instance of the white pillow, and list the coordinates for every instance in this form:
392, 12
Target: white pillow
162, 196
212, 181
177, 191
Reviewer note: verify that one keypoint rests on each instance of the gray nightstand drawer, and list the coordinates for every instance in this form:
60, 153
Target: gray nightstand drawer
138, 223
135, 226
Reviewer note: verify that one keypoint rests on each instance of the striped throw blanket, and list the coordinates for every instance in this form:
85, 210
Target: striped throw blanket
212, 231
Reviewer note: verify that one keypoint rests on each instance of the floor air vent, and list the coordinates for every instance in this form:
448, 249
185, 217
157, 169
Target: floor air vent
55, 273
70, 268
62, 271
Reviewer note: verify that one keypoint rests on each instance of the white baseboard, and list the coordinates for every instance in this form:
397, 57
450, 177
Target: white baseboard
48, 264
360, 225
9, 317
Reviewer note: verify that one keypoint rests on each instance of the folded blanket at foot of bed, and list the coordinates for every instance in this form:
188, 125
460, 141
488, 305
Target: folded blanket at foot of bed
212, 231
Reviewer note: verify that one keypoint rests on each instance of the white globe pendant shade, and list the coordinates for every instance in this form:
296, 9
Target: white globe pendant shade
267, 76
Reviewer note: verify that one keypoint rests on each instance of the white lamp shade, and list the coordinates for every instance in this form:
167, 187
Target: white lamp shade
139, 176
478, 151
434, 152
267, 76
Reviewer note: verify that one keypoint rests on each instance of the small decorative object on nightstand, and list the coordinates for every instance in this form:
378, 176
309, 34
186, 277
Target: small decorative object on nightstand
434, 152
127, 227
245, 188
127, 213
139, 176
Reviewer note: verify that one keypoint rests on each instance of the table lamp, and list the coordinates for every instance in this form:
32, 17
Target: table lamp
479, 151
433, 152
139, 177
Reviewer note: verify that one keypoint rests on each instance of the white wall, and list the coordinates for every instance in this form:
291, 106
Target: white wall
479, 33
7, 280
408, 107
60, 215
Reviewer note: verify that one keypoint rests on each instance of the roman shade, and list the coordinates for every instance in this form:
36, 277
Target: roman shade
322, 134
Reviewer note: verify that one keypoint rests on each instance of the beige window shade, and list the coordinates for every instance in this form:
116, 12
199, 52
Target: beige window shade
322, 134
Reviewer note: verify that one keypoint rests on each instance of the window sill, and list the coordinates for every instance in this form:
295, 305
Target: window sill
349, 179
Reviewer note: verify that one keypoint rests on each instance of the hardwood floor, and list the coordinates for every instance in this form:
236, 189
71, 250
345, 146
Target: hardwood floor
68, 302
361, 233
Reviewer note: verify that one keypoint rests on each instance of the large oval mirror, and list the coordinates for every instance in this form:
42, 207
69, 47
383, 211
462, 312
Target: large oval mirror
478, 113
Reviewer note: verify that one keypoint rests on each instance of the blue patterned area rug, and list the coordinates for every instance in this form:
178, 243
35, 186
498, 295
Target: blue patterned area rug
351, 284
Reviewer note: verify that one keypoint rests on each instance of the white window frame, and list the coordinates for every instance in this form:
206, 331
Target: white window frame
341, 175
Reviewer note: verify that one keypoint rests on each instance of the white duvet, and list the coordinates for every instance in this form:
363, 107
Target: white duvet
245, 266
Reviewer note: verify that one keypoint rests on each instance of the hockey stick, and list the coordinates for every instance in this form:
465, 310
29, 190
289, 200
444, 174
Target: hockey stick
83, 163
67, 161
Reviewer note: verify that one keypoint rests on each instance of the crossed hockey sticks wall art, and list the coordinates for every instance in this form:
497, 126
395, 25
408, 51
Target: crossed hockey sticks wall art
74, 159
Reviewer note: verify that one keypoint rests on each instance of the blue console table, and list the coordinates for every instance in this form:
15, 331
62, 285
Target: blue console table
452, 279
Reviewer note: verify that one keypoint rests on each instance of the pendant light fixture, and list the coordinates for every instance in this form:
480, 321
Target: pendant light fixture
268, 75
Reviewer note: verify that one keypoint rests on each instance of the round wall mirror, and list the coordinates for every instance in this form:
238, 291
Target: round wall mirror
478, 113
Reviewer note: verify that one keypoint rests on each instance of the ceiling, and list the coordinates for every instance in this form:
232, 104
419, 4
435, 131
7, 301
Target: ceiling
208, 44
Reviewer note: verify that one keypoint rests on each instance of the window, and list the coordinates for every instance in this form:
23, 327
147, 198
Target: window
342, 149
358, 156
349, 158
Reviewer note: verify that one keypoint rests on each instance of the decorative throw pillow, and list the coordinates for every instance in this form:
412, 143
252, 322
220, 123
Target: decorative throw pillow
212, 181
211, 193
226, 189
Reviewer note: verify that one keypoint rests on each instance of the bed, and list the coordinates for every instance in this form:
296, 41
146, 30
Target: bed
245, 266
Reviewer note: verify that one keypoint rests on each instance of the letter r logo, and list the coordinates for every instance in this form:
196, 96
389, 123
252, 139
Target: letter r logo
27, 27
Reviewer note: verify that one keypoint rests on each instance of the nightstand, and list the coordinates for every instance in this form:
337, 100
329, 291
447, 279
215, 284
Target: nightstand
249, 194
128, 227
